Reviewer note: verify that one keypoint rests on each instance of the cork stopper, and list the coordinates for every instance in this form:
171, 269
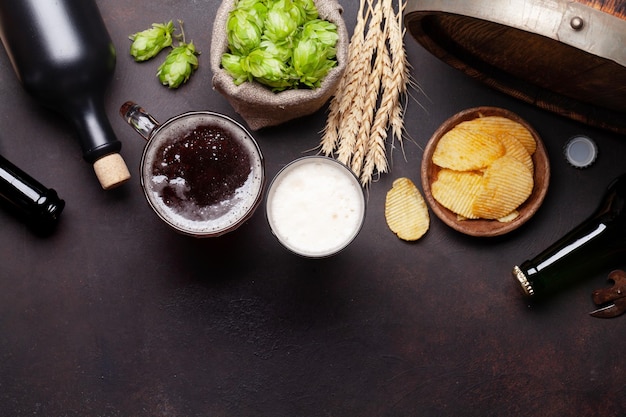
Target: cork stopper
111, 171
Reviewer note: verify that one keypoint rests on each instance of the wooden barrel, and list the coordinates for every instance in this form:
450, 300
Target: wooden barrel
568, 57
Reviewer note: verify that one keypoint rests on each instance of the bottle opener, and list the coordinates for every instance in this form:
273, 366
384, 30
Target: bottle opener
612, 300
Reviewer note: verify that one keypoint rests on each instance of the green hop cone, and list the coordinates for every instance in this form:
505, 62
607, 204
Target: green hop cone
256, 10
180, 63
280, 52
148, 43
311, 61
293, 8
232, 64
321, 31
268, 70
280, 26
308, 8
243, 31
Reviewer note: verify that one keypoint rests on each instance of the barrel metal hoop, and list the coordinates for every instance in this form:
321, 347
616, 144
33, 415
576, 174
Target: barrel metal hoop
571, 23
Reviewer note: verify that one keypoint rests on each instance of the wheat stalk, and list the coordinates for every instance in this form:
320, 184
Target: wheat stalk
368, 103
353, 104
376, 159
330, 135
345, 90
375, 41
402, 70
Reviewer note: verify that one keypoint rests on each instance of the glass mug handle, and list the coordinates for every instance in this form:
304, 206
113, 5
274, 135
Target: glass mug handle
138, 119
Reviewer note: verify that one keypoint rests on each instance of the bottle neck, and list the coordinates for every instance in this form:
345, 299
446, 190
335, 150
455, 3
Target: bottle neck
95, 134
27, 199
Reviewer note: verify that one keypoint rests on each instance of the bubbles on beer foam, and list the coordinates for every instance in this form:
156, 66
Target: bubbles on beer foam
315, 206
190, 215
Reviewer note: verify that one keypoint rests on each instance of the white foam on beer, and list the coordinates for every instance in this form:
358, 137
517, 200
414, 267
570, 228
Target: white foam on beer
196, 219
315, 207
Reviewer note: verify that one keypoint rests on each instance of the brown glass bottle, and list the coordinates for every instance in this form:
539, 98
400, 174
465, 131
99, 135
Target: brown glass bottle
596, 244
26, 198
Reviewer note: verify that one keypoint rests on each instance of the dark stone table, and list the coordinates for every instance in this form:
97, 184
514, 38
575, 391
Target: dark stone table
116, 315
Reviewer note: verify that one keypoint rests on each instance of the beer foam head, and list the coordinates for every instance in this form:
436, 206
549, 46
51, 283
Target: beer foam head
315, 206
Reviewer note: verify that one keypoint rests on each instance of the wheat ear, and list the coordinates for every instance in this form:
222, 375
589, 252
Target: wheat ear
402, 71
345, 91
375, 42
376, 159
354, 106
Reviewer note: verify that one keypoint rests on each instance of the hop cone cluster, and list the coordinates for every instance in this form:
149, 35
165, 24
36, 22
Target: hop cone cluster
282, 44
180, 62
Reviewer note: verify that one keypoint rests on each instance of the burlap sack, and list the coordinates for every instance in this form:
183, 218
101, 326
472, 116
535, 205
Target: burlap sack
259, 106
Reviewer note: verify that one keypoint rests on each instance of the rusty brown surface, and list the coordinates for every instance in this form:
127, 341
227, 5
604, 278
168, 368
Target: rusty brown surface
115, 315
615, 8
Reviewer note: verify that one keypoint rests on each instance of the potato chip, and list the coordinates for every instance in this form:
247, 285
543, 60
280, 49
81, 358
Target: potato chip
497, 125
467, 150
515, 149
456, 191
509, 217
505, 185
406, 211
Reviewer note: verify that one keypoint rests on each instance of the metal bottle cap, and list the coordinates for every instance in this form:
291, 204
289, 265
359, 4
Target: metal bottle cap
581, 151
523, 281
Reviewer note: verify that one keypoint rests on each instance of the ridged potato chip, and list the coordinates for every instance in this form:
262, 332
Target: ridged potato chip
406, 211
515, 149
505, 185
463, 149
509, 217
497, 125
457, 190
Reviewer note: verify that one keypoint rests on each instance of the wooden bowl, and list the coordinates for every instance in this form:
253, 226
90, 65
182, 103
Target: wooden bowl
482, 227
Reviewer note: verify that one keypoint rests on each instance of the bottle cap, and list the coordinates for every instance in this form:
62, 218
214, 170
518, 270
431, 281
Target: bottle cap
581, 151
111, 171
525, 285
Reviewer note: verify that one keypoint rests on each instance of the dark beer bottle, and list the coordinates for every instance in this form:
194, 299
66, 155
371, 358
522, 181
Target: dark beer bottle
598, 242
65, 59
39, 207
